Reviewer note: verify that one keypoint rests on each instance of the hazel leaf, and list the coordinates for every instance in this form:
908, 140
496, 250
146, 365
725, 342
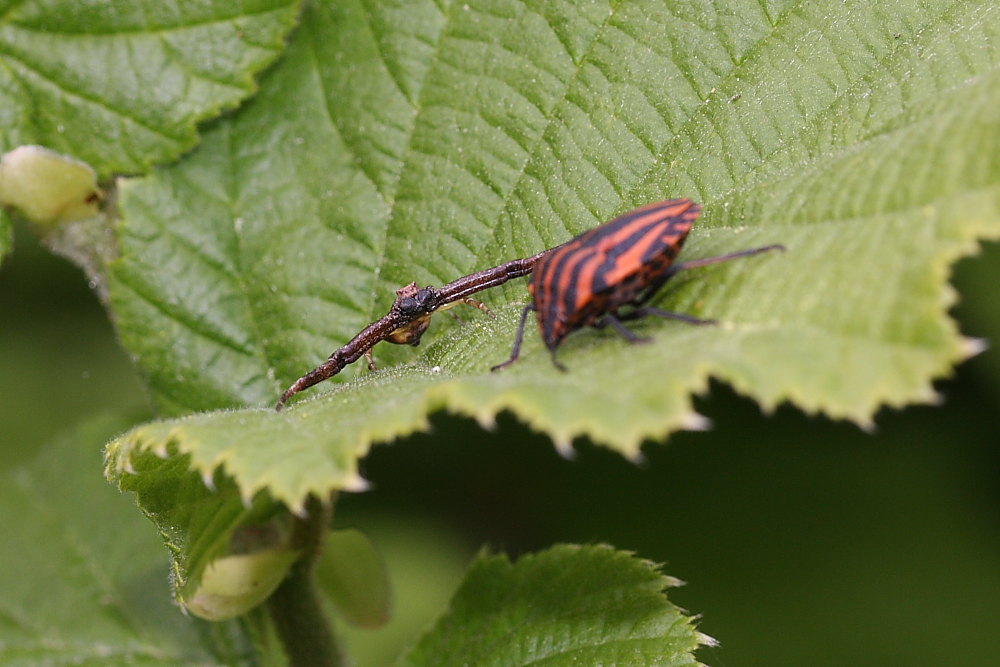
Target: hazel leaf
122, 84
568, 605
422, 142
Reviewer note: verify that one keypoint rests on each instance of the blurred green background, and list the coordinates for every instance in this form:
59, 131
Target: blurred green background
803, 541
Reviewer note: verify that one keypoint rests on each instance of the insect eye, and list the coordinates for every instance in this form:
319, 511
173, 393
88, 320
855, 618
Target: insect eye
424, 297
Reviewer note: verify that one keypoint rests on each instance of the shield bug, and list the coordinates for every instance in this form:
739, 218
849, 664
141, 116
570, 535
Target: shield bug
605, 275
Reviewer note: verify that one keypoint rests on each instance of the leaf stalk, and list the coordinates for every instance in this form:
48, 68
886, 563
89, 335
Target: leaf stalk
295, 606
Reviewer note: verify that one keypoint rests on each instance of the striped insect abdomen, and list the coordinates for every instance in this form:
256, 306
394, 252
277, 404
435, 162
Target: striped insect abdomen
608, 266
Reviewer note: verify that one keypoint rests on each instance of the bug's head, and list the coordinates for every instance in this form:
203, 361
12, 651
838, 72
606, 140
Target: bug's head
413, 301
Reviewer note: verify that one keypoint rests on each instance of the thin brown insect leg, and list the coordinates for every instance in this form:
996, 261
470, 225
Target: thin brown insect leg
478, 304
468, 302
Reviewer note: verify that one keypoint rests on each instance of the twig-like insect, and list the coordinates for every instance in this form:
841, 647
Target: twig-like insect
408, 318
622, 263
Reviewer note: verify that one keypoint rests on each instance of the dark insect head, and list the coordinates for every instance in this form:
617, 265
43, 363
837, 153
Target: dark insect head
412, 301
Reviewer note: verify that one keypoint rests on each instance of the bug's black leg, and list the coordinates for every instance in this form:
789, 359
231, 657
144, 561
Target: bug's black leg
611, 320
705, 261
694, 264
666, 314
517, 339
555, 362
653, 287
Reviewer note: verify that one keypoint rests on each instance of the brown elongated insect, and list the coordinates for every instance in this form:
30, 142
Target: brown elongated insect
622, 263
408, 318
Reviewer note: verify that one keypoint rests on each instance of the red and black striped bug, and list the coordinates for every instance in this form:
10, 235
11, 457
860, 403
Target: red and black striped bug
621, 264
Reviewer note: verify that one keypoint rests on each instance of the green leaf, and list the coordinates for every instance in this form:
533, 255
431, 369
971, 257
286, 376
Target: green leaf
201, 520
568, 605
422, 142
81, 574
425, 562
354, 576
121, 84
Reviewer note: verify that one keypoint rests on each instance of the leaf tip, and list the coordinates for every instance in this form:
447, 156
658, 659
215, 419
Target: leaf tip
161, 450
867, 425
934, 398
356, 484
246, 497
208, 479
971, 347
706, 640
636, 458
694, 421
126, 465
487, 421
563, 443
298, 509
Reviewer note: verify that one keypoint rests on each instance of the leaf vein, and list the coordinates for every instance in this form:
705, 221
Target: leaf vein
92, 28
814, 121
545, 140
324, 95
194, 324
43, 79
